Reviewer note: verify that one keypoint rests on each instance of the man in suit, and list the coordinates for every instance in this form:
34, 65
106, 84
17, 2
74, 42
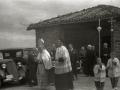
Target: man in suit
32, 68
105, 53
90, 60
74, 58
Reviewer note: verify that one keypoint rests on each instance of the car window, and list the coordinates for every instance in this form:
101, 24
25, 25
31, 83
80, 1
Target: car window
19, 54
25, 54
1, 55
7, 54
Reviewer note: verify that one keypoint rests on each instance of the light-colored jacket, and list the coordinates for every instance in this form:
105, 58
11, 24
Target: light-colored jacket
99, 75
115, 72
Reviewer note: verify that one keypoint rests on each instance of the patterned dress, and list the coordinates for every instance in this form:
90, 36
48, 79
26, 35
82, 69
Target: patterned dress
44, 64
42, 76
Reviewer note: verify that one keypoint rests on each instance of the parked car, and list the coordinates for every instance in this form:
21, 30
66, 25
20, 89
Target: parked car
10, 72
14, 65
16, 54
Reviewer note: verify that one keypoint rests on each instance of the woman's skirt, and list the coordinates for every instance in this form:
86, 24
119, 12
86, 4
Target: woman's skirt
42, 77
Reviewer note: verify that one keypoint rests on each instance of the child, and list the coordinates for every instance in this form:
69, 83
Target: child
113, 67
100, 74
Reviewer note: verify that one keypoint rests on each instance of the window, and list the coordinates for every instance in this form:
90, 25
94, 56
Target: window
19, 54
7, 54
1, 55
25, 54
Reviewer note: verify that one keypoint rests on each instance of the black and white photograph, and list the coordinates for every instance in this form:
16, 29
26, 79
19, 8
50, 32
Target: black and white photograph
59, 44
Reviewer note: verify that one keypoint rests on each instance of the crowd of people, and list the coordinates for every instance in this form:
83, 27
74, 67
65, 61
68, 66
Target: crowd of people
59, 66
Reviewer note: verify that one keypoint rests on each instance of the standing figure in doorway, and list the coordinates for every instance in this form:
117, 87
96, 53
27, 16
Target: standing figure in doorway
105, 55
90, 59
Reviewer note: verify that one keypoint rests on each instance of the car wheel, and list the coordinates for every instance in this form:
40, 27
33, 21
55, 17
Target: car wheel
23, 81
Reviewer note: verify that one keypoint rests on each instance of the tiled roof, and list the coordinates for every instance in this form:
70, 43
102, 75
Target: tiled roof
85, 15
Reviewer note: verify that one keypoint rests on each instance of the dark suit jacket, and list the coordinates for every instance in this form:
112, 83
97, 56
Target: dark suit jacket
32, 66
74, 57
105, 58
52, 54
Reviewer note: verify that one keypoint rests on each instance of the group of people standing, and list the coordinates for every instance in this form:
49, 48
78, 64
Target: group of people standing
113, 67
59, 66
108, 65
53, 67
89, 58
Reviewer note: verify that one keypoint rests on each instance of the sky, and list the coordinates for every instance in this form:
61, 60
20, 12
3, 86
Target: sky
17, 15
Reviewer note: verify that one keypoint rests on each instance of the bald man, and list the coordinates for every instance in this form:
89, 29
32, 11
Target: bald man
105, 54
90, 61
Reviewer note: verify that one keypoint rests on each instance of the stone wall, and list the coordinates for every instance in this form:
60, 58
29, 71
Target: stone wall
50, 35
116, 38
79, 34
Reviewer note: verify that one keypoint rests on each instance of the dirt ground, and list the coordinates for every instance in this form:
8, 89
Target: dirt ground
83, 83
87, 83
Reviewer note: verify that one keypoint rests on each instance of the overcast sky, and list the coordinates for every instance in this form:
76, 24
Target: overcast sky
16, 15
